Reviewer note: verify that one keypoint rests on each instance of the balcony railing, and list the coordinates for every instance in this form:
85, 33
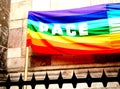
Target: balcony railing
60, 81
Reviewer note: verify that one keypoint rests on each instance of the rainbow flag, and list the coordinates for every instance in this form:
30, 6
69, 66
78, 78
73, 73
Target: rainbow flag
87, 30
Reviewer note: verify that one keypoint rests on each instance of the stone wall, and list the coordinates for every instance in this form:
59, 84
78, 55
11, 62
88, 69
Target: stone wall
17, 32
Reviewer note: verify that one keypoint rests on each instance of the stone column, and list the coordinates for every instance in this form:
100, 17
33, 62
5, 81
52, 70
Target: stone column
4, 30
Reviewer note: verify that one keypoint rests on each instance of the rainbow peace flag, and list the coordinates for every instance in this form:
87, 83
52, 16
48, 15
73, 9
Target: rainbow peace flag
87, 30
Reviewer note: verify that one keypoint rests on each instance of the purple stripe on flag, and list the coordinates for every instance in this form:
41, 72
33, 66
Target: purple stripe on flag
70, 12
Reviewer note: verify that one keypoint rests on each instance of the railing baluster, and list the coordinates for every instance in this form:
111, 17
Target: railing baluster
46, 81
20, 82
8, 82
104, 79
74, 80
33, 82
60, 80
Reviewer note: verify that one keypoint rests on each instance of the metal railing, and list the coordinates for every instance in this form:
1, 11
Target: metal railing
60, 81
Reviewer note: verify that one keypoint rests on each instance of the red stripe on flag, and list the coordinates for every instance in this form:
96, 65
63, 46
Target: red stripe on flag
58, 50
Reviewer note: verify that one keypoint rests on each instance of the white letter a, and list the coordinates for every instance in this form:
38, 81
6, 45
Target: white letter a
57, 29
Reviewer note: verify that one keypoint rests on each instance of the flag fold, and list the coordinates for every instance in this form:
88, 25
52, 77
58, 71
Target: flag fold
87, 30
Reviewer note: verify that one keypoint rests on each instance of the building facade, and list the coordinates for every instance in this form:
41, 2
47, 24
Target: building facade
13, 43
